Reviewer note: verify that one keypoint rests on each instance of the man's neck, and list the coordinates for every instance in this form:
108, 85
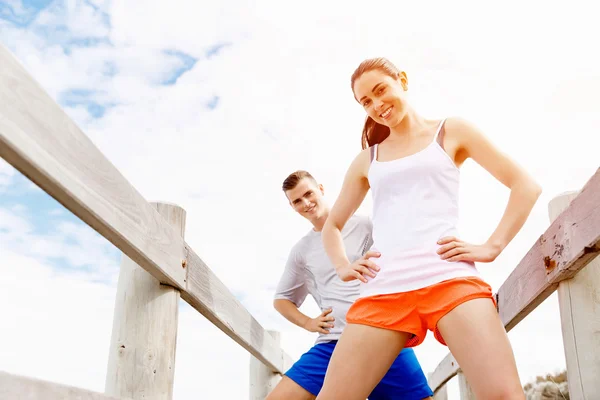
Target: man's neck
320, 222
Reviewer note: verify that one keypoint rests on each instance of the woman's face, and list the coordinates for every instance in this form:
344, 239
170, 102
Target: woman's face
382, 97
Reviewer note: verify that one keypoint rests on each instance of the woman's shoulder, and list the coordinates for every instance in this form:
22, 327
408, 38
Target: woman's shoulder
458, 126
359, 167
464, 136
362, 161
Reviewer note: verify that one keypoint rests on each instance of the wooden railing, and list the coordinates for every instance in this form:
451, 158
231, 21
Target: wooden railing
561, 259
158, 266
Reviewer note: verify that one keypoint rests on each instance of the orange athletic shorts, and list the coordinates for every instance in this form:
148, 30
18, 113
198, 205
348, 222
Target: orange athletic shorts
419, 310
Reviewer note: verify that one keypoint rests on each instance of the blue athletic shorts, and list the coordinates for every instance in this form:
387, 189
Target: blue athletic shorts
405, 380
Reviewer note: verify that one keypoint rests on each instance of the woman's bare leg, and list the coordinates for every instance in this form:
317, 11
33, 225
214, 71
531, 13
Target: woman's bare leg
287, 389
361, 358
477, 339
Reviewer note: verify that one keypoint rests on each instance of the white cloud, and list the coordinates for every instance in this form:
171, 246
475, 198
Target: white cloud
284, 103
68, 245
60, 328
13, 225
57, 212
57, 324
81, 19
6, 175
190, 26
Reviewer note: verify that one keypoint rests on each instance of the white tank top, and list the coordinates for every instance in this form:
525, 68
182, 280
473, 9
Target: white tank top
415, 203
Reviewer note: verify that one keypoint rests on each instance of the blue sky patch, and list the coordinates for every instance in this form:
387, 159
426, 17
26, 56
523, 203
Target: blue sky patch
45, 214
105, 16
212, 103
87, 41
43, 210
22, 14
110, 69
187, 62
216, 49
90, 99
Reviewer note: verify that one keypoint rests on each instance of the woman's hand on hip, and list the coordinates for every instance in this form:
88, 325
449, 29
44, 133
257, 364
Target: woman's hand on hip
360, 268
453, 249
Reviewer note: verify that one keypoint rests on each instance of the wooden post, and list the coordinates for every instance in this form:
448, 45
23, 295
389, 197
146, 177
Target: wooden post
579, 300
141, 361
262, 379
442, 393
465, 389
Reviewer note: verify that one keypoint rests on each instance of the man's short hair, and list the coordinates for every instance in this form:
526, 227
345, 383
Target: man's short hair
294, 178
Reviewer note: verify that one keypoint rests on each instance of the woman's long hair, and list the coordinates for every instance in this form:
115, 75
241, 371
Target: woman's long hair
373, 132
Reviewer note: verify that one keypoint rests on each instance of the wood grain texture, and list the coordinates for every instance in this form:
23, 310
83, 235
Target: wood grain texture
15, 387
579, 302
207, 294
441, 394
442, 391
465, 389
445, 371
570, 243
567, 246
42, 142
141, 362
262, 379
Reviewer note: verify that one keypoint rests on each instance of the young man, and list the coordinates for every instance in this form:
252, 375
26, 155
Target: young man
309, 271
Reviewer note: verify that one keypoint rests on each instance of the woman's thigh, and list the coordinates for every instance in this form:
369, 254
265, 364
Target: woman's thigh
477, 339
361, 358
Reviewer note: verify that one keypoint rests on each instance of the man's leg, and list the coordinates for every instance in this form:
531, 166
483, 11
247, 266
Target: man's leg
288, 389
404, 380
362, 357
305, 379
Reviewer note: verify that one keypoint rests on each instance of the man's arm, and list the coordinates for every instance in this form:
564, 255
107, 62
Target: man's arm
291, 312
291, 293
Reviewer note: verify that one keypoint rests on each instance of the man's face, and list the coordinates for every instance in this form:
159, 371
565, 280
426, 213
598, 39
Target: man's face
307, 199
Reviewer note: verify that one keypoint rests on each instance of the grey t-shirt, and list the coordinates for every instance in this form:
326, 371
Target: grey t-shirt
309, 271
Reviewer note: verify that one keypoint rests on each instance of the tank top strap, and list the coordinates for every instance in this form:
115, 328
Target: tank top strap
373, 150
439, 135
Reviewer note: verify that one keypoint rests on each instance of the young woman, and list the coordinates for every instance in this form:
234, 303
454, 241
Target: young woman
419, 275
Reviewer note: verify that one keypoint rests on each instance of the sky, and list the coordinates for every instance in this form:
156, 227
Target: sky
210, 105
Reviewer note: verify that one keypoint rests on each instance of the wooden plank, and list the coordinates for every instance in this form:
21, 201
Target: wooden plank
42, 142
466, 393
568, 245
21, 388
262, 379
141, 361
441, 394
207, 294
445, 371
579, 303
